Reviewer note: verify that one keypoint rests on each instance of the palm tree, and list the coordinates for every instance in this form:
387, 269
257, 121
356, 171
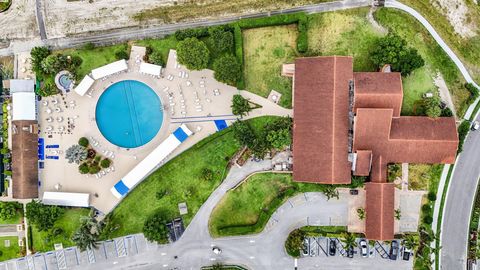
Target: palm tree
398, 214
410, 242
76, 153
86, 236
330, 191
361, 213
349, 241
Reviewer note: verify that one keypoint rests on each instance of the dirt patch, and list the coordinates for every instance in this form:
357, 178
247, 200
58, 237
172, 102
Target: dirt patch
458, 15
444, 93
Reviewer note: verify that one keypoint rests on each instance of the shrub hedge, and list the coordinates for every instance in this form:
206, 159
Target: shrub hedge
462, 133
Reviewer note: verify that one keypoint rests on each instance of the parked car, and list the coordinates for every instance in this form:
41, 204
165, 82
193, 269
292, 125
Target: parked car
306, 247
350, 252
394, 250
332, 247
475, 125
353, 191
406, 253
363, 248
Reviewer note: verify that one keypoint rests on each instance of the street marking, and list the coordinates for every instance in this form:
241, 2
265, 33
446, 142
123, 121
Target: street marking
251, 257
213, 259
163, 253
252, 241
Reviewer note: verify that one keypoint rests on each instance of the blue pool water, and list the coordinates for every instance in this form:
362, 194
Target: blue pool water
65, 81
129, 114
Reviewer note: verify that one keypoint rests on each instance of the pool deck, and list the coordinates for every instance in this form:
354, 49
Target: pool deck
82, 115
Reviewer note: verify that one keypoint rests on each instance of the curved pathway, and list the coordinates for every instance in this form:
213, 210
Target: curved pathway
439, 40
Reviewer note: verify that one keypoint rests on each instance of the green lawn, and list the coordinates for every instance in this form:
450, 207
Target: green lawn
69, 222
435, 58
13, 251
162, 45
415, 85
179, 180
468, 49
17, 219
94, 58
246, 210
265, 50
343, 33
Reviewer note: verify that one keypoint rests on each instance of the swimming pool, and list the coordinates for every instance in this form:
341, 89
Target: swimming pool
129, 114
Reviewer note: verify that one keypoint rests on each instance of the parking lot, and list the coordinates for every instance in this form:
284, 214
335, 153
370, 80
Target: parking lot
326, 247
72, 257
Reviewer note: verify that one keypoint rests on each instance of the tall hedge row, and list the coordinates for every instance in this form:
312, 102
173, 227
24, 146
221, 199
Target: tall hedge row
238, 40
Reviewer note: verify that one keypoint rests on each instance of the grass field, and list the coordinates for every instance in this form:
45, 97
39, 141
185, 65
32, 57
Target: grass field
162, 45
424, 176
246, 210
179, 180
467, 49
265, 50
203, 9
17, 219
93, 58
343, 33
69, 222
435, 58
13, 251
415, 85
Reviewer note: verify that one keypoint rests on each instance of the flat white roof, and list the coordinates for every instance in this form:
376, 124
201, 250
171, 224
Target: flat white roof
66, 199
21, 86
145, 167
109, 69
84, 85
150, 69
24, 106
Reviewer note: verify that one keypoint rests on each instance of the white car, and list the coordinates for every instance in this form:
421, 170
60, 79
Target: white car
216, 250
363, 248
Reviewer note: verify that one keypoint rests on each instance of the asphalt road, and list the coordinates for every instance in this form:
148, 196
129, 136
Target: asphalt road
116, 36
460, 196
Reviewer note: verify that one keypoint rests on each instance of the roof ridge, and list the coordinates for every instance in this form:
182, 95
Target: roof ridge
334, 112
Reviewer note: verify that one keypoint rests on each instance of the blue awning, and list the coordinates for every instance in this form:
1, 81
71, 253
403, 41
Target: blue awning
220, 124
180, 134
121, 188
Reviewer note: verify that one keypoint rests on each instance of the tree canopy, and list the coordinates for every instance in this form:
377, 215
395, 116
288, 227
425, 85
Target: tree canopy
221, 38
193, 53
432, 106
393, 50
86, 236
9, 209
240, 105
227, 69
156, 58
43, 216
38, 54
155, 228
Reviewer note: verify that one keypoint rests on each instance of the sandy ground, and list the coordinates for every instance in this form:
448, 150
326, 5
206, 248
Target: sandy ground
457, 14
19, 21
444, 93
63, 18
200, 121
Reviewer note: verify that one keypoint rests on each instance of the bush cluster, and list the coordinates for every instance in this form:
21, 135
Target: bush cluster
462, 133
191, 32
473, 92
275, 135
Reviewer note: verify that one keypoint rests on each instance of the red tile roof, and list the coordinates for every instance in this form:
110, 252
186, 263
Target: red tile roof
25, 159
378, 90
379, 211
320, 127
403, 139
363, 163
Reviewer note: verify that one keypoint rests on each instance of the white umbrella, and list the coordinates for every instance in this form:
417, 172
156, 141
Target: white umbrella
60, 119
55, 101
45, 103
49, 119
61, 128
57, 109
58, 186
49, 128
49, 111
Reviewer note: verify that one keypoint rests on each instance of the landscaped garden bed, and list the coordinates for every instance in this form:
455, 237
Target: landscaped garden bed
179, 180
90, 161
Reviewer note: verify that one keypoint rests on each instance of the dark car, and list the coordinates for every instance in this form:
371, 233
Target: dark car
406, 254
350, 252
393, 250
332, 247
353, 191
